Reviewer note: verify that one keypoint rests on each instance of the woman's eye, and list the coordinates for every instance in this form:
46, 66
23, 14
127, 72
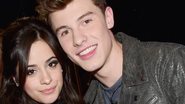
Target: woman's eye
30, 71
53, 63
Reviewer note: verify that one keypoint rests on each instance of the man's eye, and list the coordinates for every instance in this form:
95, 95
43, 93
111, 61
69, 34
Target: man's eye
87, 21
64, 33
53, 63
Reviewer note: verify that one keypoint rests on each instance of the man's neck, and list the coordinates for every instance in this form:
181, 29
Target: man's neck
112, 70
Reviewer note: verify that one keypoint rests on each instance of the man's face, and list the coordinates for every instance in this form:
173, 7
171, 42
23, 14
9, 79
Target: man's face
83, 32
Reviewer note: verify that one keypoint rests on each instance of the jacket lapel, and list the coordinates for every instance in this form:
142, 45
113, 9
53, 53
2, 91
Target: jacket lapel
133, 71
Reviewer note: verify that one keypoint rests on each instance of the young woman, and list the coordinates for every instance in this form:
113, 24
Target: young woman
35, 68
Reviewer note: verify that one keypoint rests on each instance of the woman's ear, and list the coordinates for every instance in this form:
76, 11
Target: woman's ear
15, 81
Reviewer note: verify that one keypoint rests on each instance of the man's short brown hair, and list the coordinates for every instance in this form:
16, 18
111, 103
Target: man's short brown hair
45, 7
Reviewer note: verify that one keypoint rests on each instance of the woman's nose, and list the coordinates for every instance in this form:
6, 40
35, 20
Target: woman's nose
46, 78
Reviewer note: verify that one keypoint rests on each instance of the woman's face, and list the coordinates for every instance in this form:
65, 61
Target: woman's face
44, 78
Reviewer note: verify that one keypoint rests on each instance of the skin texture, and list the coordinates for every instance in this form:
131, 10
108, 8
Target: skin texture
84, 34
44, 77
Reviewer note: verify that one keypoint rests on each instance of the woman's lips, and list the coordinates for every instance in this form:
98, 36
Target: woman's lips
48, 90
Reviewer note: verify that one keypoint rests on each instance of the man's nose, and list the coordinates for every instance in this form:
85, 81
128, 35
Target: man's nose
79, 37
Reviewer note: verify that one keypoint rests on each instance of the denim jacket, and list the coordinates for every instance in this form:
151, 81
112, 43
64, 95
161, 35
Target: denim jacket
153, 73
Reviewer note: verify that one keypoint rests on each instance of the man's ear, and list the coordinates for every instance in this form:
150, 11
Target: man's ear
109, 16
15, 81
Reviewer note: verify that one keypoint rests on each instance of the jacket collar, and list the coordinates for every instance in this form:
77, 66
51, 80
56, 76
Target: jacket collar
133, 67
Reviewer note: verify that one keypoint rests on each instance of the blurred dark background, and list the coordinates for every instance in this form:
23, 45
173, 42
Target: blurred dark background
148, 20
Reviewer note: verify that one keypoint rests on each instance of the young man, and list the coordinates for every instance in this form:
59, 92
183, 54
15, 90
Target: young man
126, 70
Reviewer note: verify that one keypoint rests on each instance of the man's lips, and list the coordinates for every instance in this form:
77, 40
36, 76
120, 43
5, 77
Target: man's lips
88, 52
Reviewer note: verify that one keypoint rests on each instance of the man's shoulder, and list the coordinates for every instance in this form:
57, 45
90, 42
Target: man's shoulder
158, 48
92, 90
120, 36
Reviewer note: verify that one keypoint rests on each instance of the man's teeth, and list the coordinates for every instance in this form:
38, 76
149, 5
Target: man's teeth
87, 50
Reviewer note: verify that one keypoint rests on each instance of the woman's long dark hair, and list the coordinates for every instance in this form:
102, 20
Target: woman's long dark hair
16, 44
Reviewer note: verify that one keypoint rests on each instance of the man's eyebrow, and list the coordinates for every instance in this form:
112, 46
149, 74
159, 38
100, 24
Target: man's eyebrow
88, 13
61, 27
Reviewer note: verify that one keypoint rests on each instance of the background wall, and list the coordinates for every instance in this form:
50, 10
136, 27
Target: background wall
12, 9
156, 20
